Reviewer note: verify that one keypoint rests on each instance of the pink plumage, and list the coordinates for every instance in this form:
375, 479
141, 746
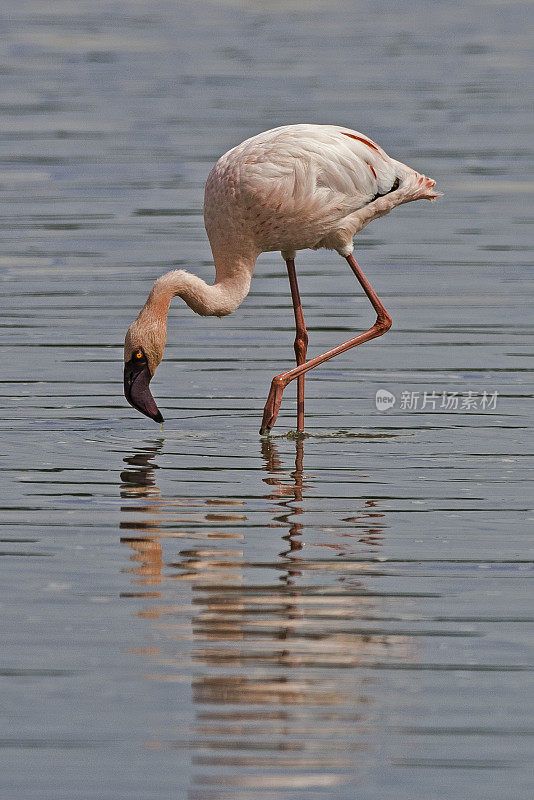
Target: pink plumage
303, 186
287, 189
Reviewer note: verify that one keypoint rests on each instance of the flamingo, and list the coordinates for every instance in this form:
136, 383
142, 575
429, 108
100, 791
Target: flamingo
288, 189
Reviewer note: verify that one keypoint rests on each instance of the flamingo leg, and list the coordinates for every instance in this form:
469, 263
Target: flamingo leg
301, 339
279, 383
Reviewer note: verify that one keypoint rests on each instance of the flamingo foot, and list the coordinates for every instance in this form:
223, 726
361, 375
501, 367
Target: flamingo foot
272, 406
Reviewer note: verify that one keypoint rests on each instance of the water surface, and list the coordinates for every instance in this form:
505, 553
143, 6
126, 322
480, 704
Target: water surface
201, 613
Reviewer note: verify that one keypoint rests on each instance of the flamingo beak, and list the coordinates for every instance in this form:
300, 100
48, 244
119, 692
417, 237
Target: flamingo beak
137, 391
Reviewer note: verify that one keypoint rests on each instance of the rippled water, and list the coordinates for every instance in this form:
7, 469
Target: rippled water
200, 613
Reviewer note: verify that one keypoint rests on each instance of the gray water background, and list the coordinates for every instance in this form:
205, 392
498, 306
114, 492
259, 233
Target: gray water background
201, 613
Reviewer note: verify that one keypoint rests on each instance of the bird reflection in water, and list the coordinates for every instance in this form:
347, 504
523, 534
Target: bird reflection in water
281, 702
285, 493
138, 482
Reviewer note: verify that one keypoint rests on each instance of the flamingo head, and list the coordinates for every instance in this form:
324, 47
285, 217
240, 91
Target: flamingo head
143, 351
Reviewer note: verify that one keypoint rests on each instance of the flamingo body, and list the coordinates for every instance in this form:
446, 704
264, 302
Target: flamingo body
287, 189
302, 186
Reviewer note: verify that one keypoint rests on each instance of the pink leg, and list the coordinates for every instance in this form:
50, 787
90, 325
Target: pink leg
301, 340
279, 383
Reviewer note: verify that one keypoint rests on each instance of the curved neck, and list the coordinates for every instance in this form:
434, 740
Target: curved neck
219, 299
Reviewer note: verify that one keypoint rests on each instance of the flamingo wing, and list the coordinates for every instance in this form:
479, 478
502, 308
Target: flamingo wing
323, 166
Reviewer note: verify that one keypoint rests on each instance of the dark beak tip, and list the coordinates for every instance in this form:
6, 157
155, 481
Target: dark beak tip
138, 395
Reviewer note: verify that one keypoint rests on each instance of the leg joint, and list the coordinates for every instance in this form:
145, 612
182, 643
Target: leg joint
384, 322
301, 345
301, 338
278, 383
